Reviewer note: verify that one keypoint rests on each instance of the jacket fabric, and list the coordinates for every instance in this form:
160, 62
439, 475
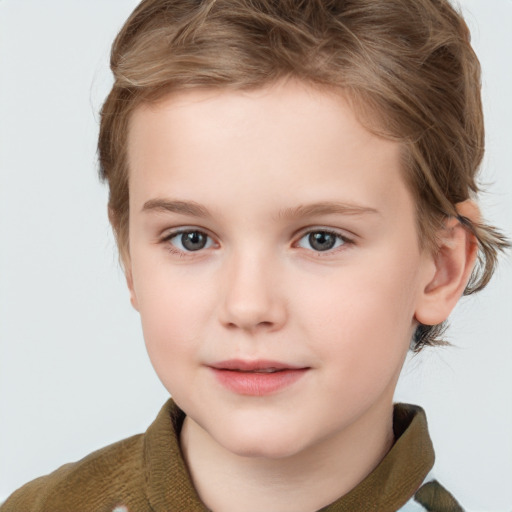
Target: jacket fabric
147, 473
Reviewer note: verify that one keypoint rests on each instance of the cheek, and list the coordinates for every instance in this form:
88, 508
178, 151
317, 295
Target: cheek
174, 311
362, 317
169, 324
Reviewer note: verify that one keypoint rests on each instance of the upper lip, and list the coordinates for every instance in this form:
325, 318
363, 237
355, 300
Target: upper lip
247, 366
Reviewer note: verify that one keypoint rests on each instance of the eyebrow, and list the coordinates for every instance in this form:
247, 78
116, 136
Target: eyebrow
325, 208
184, 207
194, 209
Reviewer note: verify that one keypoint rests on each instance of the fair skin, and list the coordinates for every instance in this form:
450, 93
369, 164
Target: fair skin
329, 295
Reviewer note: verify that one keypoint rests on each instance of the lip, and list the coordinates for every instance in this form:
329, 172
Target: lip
256, 378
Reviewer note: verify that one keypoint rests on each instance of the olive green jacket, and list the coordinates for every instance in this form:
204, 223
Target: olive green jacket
146, 473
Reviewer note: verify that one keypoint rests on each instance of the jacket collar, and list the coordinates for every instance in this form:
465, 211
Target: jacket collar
387, 488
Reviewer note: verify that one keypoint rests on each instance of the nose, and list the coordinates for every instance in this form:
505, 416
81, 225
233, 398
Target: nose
252, 298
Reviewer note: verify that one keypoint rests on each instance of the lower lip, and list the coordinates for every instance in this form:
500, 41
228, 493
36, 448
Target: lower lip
258, 384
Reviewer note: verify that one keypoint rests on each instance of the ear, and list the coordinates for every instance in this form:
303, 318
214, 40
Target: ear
129, 281
126, 264
124, 256
453, 264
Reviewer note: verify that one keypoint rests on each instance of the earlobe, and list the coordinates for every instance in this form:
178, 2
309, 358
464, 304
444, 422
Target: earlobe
453, 264
124, 258
129, 282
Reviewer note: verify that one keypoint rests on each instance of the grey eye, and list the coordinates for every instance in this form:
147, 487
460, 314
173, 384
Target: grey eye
321, 240
190, 241
193, 240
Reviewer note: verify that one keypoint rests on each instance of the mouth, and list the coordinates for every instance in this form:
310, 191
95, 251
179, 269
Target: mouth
256, 378
259, 366
261, 370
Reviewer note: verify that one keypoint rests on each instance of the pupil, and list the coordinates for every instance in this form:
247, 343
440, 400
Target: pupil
193, 240
322, 241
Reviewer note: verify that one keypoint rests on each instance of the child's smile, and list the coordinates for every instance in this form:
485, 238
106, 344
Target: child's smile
275, 262
256, 377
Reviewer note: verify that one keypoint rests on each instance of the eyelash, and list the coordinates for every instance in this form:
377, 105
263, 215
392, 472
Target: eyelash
346, 241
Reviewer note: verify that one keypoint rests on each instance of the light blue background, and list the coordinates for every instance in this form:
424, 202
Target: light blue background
74, 374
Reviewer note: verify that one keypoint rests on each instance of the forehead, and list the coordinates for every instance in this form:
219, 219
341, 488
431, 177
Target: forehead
289, 108
284, 141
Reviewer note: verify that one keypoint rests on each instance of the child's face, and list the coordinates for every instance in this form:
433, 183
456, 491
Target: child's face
300, 253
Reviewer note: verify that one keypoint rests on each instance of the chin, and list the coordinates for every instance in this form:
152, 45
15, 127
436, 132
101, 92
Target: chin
262, 449
261, 441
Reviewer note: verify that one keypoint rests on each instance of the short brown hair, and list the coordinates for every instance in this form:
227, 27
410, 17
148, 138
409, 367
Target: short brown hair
407, 66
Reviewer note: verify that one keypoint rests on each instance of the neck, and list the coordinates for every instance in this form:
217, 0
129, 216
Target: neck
304, 482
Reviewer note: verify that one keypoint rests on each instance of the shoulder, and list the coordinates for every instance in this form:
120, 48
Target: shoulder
124, 476
101, 481
415, 447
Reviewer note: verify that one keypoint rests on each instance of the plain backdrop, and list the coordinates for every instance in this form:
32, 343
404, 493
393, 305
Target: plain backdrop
74, 375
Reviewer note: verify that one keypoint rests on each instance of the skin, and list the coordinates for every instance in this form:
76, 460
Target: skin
260, 290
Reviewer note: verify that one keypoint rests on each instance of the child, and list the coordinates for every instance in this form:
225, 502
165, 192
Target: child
291, 189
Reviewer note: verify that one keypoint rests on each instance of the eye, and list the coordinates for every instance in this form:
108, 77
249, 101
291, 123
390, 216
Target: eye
189, 241
322, 240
